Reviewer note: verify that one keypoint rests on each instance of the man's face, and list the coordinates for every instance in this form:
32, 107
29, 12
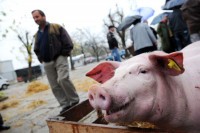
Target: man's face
165, 18
38, 18
112, 29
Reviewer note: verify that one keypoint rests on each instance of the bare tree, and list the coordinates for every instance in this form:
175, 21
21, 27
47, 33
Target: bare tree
92, 41
27, 40
83, 52
4, 29
2, 15
28, 46
23, 37
70, 57
79, 39
106, 50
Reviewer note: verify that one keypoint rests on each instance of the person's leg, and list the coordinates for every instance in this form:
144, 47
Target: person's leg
64, 81
178, 41
116, 54
186, 38
173, 44
2, 127
1, 120
113, 54
56, 89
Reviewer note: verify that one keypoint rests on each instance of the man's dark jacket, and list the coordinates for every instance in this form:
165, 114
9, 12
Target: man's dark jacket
191, 14
112, 41
59, 42
176, 21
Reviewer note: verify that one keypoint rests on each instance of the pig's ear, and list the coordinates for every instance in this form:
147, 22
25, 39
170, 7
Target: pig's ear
104, 71
171, 64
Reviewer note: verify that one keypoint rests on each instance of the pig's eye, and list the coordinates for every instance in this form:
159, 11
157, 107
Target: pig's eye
143, 71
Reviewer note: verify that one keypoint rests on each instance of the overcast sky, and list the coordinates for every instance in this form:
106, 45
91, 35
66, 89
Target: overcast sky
73, 14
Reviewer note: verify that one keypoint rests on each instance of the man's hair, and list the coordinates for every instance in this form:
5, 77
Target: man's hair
40, 11
111, 26
137, 21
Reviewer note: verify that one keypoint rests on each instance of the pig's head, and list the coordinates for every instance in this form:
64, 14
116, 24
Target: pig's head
130, 89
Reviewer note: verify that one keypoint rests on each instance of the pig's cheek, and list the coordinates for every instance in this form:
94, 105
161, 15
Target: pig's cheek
143, 106
128, 114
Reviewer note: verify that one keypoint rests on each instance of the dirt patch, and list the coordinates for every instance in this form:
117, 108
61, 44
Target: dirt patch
8, 104
35, 87
35, 104
84, 84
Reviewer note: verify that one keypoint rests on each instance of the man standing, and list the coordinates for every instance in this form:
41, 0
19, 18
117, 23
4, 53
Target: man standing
152, 29
142, 38
179, 28
52, 46
166, 36
113, 44
191, 14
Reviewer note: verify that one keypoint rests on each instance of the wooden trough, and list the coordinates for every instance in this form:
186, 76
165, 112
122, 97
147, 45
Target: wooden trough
82, 118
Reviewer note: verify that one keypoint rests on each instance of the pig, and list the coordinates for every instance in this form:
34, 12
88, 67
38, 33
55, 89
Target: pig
155, 87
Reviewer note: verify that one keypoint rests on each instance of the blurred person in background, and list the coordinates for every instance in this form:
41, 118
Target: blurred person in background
191, 14
179, 28
142, 38
166, 36
153, 30
113, 43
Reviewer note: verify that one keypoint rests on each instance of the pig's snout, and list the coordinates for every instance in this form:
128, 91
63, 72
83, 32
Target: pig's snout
99, 98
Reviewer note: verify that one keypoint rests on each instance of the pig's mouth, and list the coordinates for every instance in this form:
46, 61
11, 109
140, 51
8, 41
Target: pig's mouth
118, 113
118, 109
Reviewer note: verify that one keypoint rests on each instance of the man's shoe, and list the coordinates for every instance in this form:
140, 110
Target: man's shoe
68, 107
64, 109
4, 128
73, 104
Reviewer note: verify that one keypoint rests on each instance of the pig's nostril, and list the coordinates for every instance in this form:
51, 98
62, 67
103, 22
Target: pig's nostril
102, 97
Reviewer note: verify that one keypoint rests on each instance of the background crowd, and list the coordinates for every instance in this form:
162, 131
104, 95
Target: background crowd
178, 27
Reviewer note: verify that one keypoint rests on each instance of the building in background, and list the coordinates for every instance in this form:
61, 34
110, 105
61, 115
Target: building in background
7, 70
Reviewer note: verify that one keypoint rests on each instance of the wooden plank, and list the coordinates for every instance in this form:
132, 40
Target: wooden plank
74, 127
78, 111
82, 118
89, 118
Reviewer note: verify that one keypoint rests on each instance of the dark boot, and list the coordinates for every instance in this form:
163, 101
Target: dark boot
1, 124
4, 128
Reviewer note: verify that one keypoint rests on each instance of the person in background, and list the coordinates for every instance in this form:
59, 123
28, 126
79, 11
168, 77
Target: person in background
52, 47
153, 30
191, 14
166, 36
2, 127
113, 43
142, 38
179, 28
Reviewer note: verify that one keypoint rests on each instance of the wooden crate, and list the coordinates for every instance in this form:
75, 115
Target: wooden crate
82, 118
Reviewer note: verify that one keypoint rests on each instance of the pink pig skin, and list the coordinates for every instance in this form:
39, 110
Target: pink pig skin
145, 88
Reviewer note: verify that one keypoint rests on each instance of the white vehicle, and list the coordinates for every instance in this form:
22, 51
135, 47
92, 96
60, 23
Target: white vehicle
3, 83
